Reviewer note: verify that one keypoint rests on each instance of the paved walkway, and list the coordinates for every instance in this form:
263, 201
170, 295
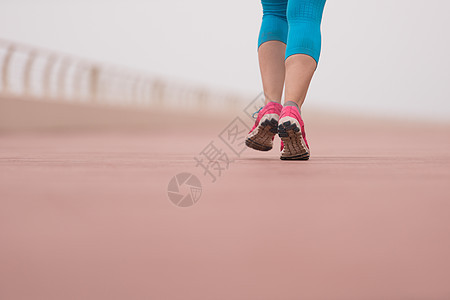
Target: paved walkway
87, 216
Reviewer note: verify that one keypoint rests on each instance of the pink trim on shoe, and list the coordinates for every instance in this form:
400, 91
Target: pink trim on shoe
264, 130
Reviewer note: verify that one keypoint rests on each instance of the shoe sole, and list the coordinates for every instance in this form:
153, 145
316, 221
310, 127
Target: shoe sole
261, 138
294, 145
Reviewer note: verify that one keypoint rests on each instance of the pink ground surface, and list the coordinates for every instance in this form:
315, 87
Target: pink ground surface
87, 216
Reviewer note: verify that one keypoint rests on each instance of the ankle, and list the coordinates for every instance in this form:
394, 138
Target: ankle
291, 103
270, 100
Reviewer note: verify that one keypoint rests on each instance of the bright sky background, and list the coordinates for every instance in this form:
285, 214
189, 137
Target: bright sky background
379, 57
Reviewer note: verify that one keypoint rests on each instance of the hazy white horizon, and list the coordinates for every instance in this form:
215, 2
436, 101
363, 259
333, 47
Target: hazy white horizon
379, 57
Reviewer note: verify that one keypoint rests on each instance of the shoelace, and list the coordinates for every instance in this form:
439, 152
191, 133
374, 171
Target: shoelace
255, 114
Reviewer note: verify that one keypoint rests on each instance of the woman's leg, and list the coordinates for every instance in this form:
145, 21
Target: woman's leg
299, 72
272, 48
303, 46
271, 64
302, 54
271, 52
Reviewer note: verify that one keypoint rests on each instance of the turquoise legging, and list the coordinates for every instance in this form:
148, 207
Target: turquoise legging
295, 23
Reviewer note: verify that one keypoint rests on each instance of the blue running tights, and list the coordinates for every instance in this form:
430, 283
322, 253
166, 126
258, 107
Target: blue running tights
295, 23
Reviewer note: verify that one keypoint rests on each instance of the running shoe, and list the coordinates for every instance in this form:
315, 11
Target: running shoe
265, 128
291, 130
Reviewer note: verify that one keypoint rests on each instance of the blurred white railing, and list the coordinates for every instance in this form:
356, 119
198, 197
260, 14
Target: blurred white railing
38, 74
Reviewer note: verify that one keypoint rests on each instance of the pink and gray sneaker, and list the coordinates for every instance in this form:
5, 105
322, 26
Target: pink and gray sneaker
265, 128
291, 130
